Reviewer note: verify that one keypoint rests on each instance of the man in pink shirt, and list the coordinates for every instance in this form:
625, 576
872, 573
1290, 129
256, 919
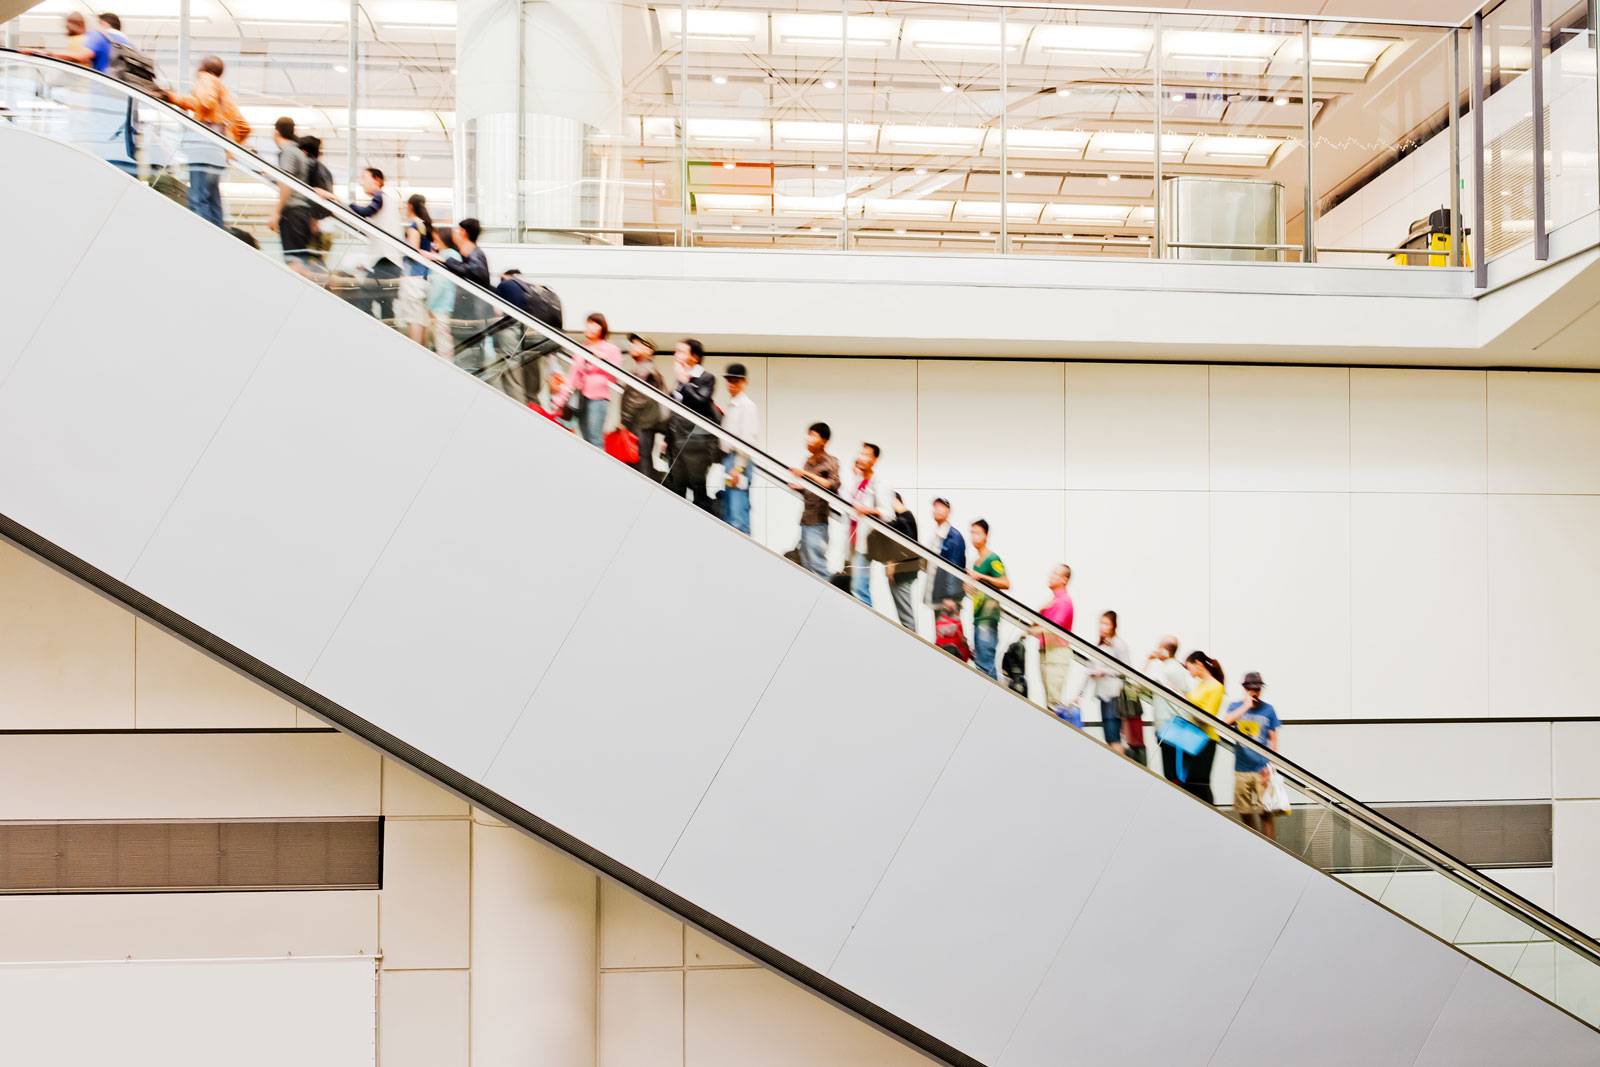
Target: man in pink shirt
1055, 659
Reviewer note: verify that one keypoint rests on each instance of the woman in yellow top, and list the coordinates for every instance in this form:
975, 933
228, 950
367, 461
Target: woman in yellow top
1206, 694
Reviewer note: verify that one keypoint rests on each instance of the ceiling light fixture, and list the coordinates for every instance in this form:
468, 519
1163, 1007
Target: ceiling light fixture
1177, 98
1018, 175
728, 164
830, 84
921, 170
1113, 177
901, 230
1281, 101
947, 88
340, 68
822, 168
720, 79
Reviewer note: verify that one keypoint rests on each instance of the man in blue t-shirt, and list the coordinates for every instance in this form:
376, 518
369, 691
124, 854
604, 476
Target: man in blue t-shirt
1257, 720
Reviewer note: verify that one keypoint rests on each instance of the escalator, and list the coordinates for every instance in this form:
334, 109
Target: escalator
238, 448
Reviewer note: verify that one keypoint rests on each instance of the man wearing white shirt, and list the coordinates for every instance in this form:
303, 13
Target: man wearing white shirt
742, 420
872, 500
1164, 667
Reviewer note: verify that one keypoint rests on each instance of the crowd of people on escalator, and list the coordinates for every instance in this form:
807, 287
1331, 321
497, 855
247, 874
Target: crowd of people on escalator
612, 401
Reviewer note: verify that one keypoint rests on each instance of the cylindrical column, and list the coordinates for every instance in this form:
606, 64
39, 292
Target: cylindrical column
536, 83
533, 952
1308, 225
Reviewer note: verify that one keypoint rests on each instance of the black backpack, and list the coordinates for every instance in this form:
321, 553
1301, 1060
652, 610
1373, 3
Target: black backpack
1014, 665
132, 67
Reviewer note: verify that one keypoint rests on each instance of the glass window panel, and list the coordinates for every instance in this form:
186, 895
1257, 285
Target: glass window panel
1080, 132
1382, 149
1233, 100
1507, 129
1573, 183
925, 80
766, 129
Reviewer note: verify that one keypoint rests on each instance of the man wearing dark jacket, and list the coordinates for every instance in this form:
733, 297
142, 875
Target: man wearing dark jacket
952, 548
691, 450
640, 414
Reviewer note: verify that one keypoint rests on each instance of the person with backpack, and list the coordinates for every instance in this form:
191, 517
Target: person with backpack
213, 107
522, 350
692, 450
106, 125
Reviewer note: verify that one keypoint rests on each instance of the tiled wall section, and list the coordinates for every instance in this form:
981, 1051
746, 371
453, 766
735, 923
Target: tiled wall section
1380, 543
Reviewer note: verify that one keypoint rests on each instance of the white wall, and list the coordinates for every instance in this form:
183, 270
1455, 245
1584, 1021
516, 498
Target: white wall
1379, 543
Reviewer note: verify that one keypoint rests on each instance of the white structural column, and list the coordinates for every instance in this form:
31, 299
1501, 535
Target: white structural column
539, 79
534, 915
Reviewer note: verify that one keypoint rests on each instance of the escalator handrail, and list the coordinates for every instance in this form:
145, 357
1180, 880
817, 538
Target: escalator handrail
1379, 824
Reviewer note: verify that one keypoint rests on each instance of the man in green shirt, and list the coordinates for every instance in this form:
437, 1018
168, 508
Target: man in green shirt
989, 573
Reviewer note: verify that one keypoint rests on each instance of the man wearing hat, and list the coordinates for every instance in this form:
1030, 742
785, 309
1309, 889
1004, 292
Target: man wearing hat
1257, 720
742, 420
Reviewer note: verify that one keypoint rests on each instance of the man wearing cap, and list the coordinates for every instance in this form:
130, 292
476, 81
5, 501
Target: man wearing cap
1257, 720
742, 420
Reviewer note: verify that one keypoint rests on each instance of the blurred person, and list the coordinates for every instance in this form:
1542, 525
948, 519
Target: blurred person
903, 570
291, 216
469, 314
441, 292
951, 547
822, 470
869, 500
989, 573
742, 419
592, 380
416, 229
1162, 665
1257, 720
105, 123
1107, 682
948, 632
691, 449
213, 106
383, 211
641, 415
1055, 656
1205, 693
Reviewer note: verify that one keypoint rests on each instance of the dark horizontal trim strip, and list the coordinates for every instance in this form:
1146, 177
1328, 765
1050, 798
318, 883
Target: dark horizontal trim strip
190, 855
134, 731
476, 794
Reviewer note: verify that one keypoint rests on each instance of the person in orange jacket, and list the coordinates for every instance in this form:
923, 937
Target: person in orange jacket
213, 106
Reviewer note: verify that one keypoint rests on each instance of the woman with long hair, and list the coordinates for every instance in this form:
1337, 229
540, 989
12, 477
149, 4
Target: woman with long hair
411, 310
1206, 694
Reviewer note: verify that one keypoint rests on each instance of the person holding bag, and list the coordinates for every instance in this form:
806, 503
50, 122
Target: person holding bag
1252, 773
1197, 744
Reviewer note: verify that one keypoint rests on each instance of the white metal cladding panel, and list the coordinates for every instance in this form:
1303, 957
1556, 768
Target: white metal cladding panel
1175, 930
192, 1014
824, 782
1384, 982
966, 920
668, 659
130, 374
477, 589
53, 234
1480, 1024
306, 480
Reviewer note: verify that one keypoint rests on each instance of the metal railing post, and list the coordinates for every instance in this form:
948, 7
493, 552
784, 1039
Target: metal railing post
1541, 235
1158, 246
1480, 269
844, 131
1455, 148
1308, 226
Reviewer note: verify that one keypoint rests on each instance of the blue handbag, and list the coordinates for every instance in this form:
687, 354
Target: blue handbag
1183, 735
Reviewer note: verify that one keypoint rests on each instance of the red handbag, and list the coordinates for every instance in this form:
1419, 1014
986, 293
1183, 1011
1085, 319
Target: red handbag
623, 445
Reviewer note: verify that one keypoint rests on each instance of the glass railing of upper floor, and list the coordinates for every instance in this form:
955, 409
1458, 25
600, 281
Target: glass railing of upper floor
819, 517
926, 127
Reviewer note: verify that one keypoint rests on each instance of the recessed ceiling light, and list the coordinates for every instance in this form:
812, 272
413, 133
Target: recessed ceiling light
736, 227
922, 170
415, 159
720, 79
454, 71
728, 164
1063, 92
1113, 177
1505, 192
1177, 98
1019, 175
901, 230
947, 88
985, 233
830, 84
1281, 101
822, 168
340, 68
